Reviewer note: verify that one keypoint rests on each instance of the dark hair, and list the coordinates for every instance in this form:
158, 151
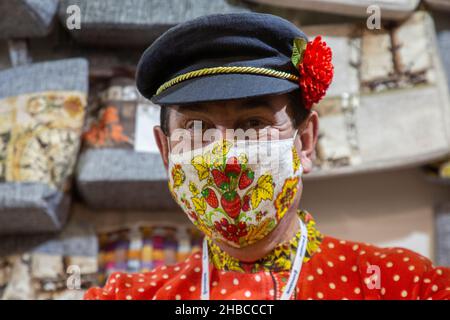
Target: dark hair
300, 113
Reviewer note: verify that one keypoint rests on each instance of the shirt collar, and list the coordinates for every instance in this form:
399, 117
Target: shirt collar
279, 259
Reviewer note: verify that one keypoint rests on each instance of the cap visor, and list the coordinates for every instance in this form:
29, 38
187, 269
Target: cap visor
223, 87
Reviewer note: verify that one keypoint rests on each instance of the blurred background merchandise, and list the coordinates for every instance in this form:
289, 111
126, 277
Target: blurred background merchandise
81, 180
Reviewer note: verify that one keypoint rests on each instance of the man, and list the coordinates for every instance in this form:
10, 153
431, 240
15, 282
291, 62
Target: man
257, 74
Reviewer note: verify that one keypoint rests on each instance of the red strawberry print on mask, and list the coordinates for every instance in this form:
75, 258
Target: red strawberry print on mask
246, 203
210, 197
231, 232
231, 204
246, 179
232, 167
220, 179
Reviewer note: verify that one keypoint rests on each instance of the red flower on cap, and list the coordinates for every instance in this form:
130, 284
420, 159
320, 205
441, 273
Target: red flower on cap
313, 60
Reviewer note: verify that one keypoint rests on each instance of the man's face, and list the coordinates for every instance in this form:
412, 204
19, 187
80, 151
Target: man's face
273, 113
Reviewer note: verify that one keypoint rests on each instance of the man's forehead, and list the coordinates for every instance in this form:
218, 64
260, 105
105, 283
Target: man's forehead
240, 106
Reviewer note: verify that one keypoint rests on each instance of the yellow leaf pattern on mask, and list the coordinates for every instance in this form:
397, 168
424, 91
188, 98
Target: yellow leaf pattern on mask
243, 159
200, 164
193, 188
221, 148
203, 228
219, 152
199, 205
257, 232
263, 190
287, 195
178, 176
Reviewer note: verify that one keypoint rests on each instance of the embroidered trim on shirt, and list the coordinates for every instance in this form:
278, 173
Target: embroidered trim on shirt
279, 259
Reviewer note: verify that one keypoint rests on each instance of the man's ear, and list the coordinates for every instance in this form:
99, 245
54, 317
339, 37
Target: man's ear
162, 142
309, 133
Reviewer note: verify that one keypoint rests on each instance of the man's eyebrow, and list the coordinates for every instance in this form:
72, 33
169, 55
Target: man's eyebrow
246, 105
256, 103
190, 107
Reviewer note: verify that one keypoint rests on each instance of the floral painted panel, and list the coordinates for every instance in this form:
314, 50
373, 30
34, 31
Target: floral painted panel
39, 136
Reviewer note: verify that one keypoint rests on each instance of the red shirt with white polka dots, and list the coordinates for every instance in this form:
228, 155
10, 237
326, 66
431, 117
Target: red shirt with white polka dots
338, 270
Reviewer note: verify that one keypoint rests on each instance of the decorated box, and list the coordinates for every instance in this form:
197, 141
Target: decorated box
42, 108
388, 106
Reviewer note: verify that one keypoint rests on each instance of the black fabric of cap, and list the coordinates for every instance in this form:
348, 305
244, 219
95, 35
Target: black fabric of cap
221, 40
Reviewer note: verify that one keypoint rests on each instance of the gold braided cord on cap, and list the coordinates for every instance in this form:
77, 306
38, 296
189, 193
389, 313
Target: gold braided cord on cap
222, 70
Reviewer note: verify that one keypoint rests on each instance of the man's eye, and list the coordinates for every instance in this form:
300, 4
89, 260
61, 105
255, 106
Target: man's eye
197, 125
190, 125
254, 123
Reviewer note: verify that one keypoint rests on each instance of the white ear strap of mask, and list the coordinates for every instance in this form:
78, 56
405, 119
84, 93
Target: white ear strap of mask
295, 134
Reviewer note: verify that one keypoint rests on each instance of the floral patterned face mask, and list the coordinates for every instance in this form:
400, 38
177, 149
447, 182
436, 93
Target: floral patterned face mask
236, 191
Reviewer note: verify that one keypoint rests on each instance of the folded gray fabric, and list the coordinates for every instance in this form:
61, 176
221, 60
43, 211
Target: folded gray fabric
42, 109
77, 238
31, 207
26, 18
123, 179
136, 22
69, 74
